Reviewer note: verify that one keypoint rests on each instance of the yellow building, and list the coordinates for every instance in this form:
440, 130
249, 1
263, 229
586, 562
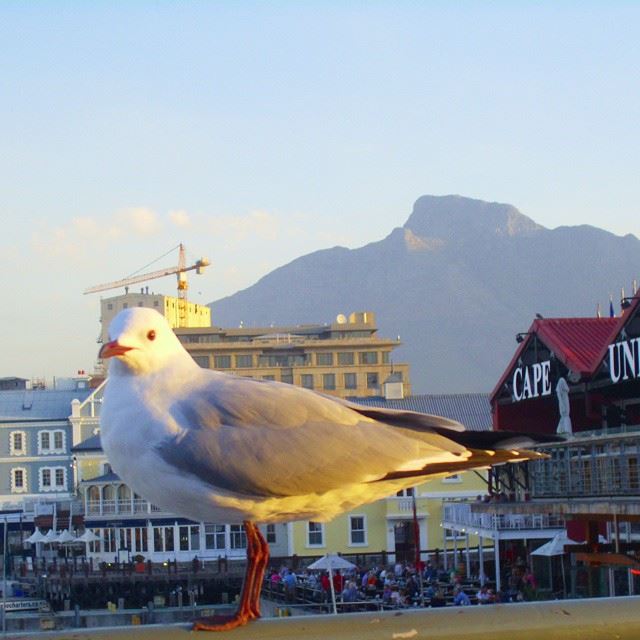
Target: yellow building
344, 358
388, 526
195, 315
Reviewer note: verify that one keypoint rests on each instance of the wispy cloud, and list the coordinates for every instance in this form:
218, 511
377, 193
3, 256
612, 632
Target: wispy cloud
83, 236
179, 218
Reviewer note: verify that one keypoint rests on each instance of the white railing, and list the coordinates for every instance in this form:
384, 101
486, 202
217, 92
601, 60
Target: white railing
460, 513
124, 507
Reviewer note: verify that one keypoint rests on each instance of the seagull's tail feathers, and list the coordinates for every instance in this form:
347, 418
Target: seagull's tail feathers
479, 458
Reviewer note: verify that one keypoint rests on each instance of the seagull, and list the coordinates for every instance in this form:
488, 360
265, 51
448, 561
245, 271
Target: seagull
216, 447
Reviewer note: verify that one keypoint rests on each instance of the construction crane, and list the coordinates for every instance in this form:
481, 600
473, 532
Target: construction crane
181, 272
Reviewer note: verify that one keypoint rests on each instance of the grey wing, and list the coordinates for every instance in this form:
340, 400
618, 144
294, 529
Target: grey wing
267, 439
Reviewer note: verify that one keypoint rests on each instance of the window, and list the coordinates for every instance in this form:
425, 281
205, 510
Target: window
163, 539
18, 443
202, 361
287, 378
271, 533
406, 493
18, 480
222, 362
214, 536
372, 381
357, 530
45, 440
238, 537
386, 357
189, 537
244, 361
53, 479
268, 377
453, 478
306, 381
449, 534
125, 538
110, 306
51, 441
346, 357
329, 381
324, 359
140, 535
368, 357
315, 534
350, 381
109, 537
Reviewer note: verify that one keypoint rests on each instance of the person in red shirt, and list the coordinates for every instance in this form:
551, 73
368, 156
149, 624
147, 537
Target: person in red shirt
338, 581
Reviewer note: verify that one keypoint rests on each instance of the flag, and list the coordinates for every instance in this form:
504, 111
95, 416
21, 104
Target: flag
612, 313
598, 313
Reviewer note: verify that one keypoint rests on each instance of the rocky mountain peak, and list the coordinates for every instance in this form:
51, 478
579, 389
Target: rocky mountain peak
457, 218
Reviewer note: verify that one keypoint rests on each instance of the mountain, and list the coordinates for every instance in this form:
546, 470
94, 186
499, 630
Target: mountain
456, 282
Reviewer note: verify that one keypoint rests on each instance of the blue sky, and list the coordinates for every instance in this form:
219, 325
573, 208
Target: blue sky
256, 132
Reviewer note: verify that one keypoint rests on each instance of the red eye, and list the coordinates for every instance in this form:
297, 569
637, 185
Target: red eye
151, 335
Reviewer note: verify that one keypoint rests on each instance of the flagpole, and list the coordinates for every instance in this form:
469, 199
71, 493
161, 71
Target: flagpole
416, 536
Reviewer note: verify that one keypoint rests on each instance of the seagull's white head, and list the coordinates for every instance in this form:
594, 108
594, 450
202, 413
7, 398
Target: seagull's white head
141, 341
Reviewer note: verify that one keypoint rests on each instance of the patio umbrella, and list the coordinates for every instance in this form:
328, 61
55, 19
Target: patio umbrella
89, 536
329, 562
36, 536
555, 547
51, 536
65, 536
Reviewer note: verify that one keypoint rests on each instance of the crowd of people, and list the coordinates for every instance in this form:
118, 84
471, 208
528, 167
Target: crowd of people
401, 585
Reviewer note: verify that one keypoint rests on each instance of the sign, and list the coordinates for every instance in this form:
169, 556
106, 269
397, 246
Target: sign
624, 360
23, 604
532, 381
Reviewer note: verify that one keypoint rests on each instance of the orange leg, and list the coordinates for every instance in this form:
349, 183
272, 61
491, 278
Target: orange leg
262, 562
249, 607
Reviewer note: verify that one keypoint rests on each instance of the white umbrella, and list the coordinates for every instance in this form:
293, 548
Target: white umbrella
65, 536
36, 536
555, 547
332, 561
51, 536
89, 536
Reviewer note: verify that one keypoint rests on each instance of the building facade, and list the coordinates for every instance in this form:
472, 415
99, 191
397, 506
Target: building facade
176, 311
343, 358
580, 378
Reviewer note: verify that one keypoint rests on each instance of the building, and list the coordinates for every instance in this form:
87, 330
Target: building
579, 377
176, 311
344, 358
37, 472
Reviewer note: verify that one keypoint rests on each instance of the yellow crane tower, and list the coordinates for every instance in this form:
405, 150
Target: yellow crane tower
181, 272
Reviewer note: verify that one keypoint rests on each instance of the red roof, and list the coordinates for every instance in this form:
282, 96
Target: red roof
579, 343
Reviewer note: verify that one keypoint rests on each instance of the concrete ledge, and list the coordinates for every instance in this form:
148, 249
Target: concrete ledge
588, 619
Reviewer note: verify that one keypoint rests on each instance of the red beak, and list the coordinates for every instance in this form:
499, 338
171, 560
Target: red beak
111, 349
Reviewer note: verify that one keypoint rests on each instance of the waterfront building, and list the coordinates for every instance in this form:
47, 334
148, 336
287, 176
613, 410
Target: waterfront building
343, 358
37, 473
579, 377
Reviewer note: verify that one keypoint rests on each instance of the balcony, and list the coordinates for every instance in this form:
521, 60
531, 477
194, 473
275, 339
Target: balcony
595, 467
459, 517
120, 507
